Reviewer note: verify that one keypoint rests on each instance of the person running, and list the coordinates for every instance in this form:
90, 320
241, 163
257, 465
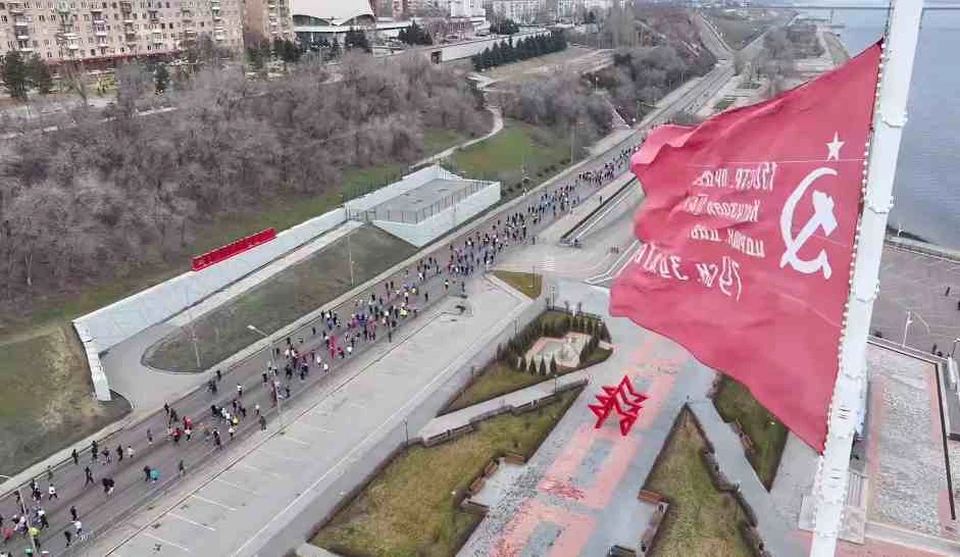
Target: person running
263, 423
119, 453
52, 492
181, 470
149, 437
130, 452
89, 476
146, 474
75, 457
154, 475
78, 526
74, 515
68, 536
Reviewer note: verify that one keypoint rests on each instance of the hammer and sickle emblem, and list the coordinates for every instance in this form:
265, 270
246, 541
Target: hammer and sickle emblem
823, 217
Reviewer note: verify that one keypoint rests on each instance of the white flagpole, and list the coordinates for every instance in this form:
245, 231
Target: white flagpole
896, 68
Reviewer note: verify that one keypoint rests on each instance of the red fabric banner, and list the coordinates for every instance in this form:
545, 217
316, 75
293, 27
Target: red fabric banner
237, 247
747, 237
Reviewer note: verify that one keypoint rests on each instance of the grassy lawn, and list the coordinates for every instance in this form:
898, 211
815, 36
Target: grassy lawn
408, 509
280, 300
46, 401
528, 283
517, 151
497, 379
734, 402
724, 104
701, 520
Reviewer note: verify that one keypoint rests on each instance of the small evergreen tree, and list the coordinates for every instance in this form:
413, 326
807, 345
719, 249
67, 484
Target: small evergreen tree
522, 365
604, 333
553, 365
356, 38
16, 77
543, 366
255, 57
161, 78
40, 76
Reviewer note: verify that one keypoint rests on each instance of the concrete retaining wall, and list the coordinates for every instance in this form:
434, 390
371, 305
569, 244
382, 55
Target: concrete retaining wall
424, 232
108, 326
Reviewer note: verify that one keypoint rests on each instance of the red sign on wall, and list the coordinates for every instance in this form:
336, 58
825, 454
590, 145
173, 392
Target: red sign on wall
233, 248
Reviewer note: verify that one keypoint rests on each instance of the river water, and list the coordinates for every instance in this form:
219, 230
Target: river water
927, 187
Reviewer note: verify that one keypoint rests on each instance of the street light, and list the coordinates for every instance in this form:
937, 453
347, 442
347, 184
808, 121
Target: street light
906, 326
275, 382
23, 507
954, 349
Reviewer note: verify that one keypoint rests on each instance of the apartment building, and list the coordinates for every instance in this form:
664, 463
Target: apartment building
519, 10
104, 30
270, 19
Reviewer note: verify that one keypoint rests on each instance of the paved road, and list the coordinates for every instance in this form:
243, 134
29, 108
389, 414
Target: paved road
100, 512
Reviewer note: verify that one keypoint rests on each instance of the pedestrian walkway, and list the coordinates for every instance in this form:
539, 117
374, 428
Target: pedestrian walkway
504, 403
497, 128
775, 531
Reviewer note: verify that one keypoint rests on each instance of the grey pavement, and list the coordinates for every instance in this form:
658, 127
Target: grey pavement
774, 530
504, 403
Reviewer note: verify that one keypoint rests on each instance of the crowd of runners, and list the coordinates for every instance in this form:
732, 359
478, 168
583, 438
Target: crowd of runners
313, 350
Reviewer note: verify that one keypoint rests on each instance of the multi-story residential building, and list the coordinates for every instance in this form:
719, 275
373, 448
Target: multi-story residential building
519, 10
270, 19
100, 31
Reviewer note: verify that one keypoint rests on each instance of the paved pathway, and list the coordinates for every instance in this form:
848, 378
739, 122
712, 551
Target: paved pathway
497, 127
733, 462
539, 391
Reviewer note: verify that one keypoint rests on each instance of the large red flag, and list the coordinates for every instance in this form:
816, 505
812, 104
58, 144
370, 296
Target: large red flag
747, 237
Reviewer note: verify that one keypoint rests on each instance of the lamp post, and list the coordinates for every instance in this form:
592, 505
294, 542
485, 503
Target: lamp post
23, 507
275, 381
906, 327
954, 349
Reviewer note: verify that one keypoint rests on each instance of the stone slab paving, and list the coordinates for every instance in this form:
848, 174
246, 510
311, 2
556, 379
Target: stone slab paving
904, 446
577, 496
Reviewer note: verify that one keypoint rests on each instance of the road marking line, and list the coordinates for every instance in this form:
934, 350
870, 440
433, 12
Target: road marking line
259, 470
288, 437
311, 426
194, 522
283, 456
161, 540
212, 502
358, 448
235, 486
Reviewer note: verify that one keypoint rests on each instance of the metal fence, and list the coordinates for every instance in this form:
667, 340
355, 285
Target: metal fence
416, 216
